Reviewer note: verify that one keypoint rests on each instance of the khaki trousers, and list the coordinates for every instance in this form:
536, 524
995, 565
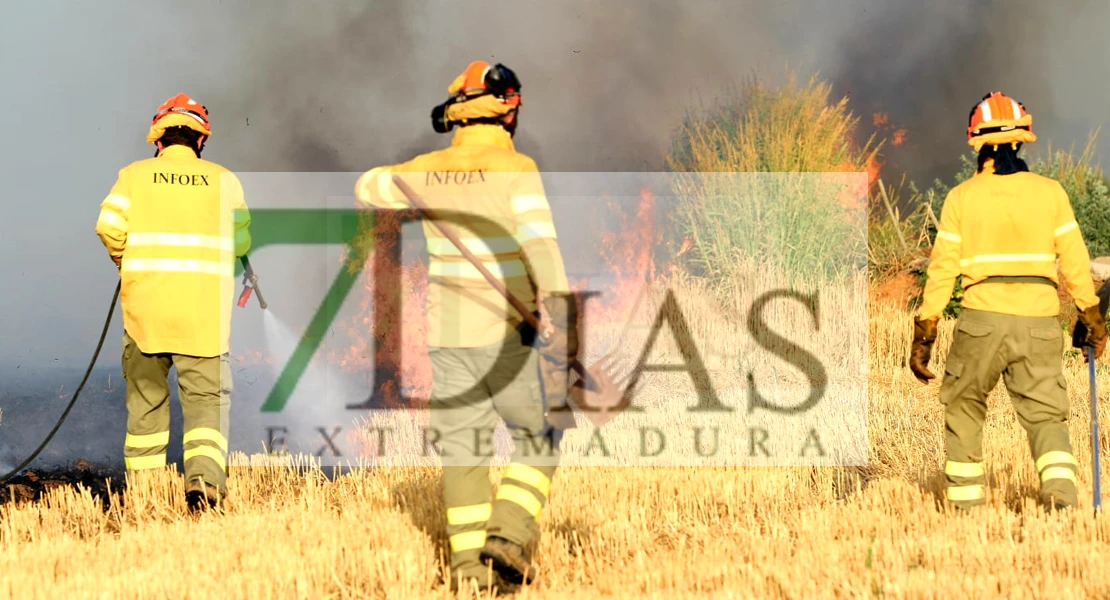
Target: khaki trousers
1027, 352
204, 390
472, 389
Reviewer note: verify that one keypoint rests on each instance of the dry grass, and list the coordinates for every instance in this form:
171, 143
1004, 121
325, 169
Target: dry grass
711, 532
754, 178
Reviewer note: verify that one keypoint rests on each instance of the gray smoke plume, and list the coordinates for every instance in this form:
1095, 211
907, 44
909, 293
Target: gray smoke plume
343, 86
927, 64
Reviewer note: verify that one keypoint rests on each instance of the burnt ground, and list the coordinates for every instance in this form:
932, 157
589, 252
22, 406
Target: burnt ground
33, 485
87, 449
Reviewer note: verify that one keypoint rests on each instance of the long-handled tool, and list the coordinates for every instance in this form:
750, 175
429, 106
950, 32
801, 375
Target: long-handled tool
250, 284
1079, 340
1094, 429
596, 389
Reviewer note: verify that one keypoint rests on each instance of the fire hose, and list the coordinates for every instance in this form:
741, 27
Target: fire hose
248, 277
76, 392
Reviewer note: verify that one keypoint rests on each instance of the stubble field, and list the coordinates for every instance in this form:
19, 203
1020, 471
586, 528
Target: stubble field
615, 532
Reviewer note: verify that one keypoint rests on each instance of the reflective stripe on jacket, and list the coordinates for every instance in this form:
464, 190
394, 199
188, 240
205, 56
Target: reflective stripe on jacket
503, 218
1020, 224
175, 225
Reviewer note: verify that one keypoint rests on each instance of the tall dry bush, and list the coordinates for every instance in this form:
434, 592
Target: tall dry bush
740, 193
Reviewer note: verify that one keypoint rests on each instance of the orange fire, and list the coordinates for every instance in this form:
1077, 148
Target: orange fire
873, 168
628, 255
882, 124
402, 357
252, 357
626, 252
899, 136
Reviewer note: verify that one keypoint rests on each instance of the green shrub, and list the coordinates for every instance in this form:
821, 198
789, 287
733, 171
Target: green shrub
897, 242
788, 220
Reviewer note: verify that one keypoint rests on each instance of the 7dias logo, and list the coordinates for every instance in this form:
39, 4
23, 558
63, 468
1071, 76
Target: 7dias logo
277, 227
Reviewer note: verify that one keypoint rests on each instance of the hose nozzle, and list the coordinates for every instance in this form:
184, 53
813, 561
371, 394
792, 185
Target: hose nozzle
250, 284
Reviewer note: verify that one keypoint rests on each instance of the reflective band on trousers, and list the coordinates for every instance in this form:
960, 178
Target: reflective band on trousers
521, 497
963, 469
511, 268
529, 475
206, 451
1056, 457
1000, 258
212, 242
1058, 473
466, 515
150, 440
963, 493
470, 540
165, 265
139, 463
205, 434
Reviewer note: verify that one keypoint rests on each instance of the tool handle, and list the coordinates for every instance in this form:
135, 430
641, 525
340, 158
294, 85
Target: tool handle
1097, 492
528, 317
450, 235
258, 292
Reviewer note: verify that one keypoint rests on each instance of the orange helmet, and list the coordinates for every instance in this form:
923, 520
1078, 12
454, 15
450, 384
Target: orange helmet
179, 111
999, 119
481, 93
480, 78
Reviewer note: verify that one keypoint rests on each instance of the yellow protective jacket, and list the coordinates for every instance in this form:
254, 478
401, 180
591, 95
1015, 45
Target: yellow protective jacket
175, 225
506, 223
1008, 225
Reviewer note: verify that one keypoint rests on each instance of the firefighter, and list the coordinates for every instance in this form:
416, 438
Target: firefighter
1003, 231
173, 225
486, 363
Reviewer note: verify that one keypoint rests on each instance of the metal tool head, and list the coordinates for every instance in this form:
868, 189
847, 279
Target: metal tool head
603, 393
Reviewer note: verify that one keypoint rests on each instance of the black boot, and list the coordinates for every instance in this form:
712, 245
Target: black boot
509, 560
201, 496
483, 585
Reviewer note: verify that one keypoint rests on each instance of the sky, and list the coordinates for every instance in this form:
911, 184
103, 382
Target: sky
346, 86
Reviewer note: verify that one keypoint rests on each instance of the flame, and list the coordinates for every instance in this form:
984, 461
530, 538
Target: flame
899, 136
628, 255
253, 357
880, 118
400, 367
873, 168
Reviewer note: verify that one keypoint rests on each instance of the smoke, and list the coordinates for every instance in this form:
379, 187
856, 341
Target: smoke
342, 86
927, 64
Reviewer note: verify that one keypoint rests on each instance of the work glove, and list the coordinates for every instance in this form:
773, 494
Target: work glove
558, 346
1090, 330
924, 334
